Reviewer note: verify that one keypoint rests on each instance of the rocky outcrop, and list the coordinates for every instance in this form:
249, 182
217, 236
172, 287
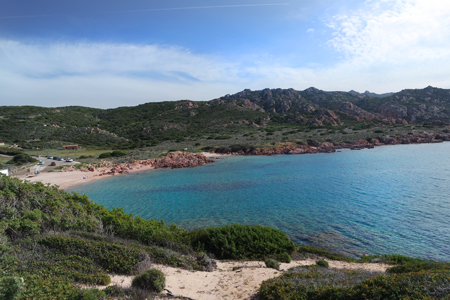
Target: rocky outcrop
172, 160
329, 147
180, 159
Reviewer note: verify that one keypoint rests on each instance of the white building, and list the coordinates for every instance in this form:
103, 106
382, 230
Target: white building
4, 171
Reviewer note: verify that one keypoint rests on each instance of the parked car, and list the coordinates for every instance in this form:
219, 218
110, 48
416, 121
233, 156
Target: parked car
49, 157
53, 163
40, 162
60, 159
69, 160
37, 155
55, 158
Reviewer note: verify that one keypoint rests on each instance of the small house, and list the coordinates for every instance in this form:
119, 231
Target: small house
70, 147
4, 171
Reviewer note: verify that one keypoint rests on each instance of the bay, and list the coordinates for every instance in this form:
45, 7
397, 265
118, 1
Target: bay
391, 199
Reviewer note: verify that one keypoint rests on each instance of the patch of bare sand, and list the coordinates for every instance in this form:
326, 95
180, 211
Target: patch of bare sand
224, 283
68, 179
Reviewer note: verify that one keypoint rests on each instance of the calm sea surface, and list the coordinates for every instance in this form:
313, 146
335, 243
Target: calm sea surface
391, 199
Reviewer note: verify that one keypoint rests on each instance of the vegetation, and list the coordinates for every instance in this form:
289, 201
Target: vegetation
53, 239
271, 115
272, 263
242, 241
322, 263
314, 282
152, 280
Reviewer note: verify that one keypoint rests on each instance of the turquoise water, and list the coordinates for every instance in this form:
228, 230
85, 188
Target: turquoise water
391, 199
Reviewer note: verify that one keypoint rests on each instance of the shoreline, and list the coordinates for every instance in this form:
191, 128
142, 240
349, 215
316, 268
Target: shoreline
72, 177
66, 179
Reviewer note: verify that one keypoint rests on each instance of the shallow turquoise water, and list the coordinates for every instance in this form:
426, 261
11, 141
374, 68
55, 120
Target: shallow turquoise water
391, 199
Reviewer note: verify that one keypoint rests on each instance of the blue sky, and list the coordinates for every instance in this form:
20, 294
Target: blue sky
110, 53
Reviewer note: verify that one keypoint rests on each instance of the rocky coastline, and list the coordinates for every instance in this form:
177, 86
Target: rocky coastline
330, 147
179, 159
173, 160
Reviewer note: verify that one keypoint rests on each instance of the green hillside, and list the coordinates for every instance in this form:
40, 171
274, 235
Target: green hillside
228, 119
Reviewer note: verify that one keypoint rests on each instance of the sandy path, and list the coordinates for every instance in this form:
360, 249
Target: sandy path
224, 283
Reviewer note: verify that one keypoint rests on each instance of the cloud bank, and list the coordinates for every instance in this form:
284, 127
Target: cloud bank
385, 45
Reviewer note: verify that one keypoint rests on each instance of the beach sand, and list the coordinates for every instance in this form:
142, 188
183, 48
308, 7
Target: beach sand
74, 177
224, 283
71, 178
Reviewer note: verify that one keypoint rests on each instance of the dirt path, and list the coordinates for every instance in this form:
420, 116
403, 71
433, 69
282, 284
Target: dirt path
224, 283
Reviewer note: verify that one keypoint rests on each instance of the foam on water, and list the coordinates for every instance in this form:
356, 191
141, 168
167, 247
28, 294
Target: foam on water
392, 199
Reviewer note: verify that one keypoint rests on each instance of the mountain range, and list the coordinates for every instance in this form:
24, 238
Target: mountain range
151, 123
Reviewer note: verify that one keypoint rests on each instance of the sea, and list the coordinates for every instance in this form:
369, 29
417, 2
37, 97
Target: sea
386, 200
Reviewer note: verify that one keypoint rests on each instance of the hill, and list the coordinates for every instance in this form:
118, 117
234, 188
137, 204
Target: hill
226, 118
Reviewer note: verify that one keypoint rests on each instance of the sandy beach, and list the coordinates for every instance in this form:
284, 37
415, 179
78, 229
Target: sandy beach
65, 179
224, 283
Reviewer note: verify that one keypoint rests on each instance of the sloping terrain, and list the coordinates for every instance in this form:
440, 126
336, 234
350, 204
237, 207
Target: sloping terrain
245, 112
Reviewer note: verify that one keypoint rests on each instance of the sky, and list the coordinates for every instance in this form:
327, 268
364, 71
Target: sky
112, 53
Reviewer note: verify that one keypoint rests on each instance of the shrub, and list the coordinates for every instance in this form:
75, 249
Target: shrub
322, 263
11, 288
284, 257
398, 259
117, 153
23, 158
152, 280
114, 291
105, 155
272, 263
419, 266
242, 241
90, 294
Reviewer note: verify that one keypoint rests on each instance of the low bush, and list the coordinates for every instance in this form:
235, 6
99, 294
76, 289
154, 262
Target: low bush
284, 257
272, 263
22, 158
11, 287
111, 257
322, 263
152, 280
419, 266
242, 242
90, 294
105, 155
321, 252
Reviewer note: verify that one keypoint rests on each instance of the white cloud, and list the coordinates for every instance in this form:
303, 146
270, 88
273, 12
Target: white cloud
394, 32
387, 45
108, 75
310, 31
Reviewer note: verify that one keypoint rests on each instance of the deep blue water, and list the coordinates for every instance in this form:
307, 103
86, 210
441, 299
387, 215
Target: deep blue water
391, 199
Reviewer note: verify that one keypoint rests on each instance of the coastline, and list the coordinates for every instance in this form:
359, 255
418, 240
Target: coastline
72, 177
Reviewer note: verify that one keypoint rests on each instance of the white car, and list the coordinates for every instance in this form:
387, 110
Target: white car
69, 160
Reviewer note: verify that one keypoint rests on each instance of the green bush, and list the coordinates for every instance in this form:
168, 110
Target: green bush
153, 280
118, 153
242, 242
114, 291
105, 155
11, 288
419, 266
22, 158
90, 294
322, 263
112, 258
272, 263
322, 252
284, 257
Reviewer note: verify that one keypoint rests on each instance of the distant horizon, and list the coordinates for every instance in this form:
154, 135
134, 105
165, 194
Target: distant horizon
109, 53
